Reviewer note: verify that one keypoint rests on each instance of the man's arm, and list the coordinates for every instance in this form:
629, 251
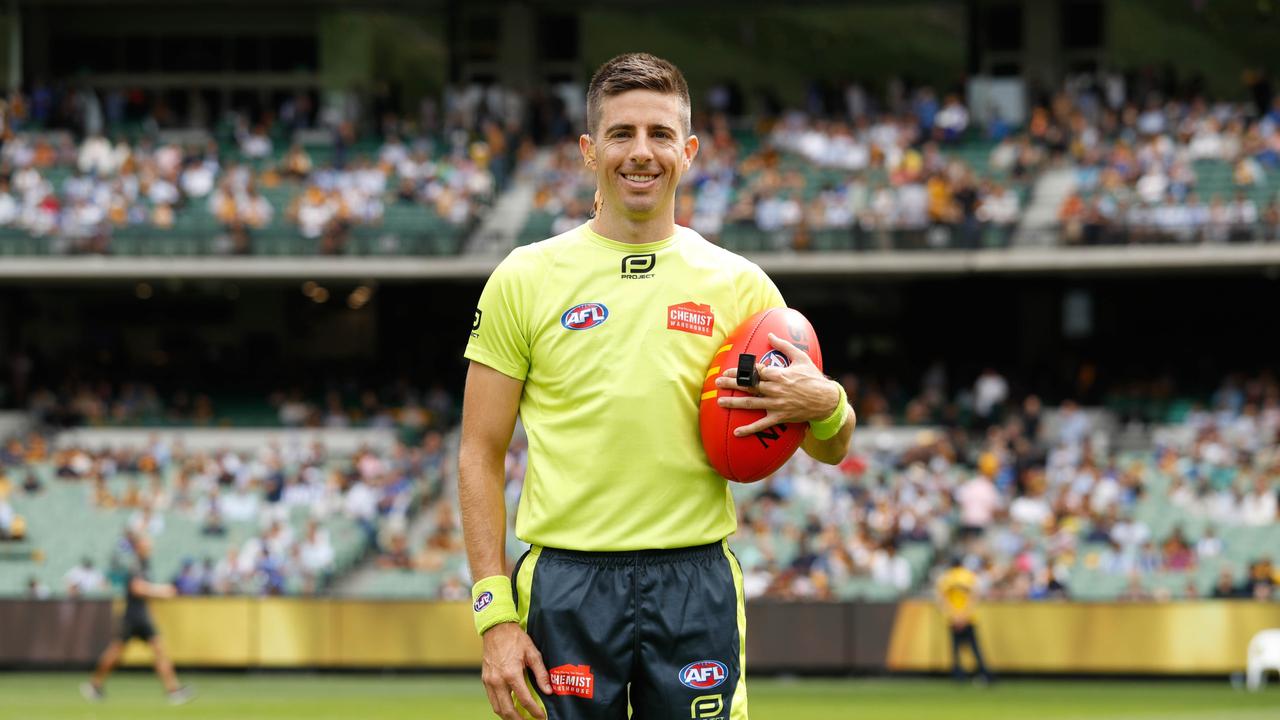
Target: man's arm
796, 393
154, 591
834, 449
489, 408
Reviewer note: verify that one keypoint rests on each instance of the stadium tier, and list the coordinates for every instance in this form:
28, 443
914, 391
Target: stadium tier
1054, 512
1083, 170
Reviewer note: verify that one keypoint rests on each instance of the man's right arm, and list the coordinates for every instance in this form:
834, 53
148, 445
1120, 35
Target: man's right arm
150, 590
489, 408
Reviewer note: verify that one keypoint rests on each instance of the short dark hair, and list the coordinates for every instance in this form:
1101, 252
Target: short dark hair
636, 71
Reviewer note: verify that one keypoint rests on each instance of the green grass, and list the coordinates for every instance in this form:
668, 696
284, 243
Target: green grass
136, 696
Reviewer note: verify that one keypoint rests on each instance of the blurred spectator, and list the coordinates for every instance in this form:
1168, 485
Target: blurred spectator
84, 579
37, 590
889, 568
189, 580
978, 498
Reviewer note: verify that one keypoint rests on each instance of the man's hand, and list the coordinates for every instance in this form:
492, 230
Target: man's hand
797, 393
508, 650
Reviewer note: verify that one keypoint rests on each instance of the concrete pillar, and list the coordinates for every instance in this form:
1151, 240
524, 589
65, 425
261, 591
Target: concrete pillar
13, 17
518, 54
1041, 44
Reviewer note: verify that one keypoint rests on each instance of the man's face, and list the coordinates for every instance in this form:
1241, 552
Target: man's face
639, 153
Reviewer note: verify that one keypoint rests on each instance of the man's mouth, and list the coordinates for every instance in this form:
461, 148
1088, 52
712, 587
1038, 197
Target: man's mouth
640, 178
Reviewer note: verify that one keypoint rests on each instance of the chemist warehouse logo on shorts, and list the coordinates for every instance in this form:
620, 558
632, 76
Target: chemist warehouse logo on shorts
584, 316
704, 674
575, 680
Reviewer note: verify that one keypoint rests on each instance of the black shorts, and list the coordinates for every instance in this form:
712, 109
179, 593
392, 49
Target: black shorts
664, 628
137, 625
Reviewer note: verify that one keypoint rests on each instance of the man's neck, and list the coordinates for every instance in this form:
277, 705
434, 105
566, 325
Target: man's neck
635, 232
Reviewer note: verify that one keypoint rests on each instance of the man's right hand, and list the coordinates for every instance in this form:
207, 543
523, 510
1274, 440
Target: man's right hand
508, 650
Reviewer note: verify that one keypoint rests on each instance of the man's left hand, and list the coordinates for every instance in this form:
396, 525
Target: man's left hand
793, 394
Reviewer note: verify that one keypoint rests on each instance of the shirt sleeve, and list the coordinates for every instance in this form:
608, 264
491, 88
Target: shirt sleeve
499, 336
760, 293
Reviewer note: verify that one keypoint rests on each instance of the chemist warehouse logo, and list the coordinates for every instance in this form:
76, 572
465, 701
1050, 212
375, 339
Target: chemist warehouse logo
639, 267
575, 680
691, 317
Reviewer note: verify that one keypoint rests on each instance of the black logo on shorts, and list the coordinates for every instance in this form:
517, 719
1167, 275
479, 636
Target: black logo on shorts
638, 267
475, 323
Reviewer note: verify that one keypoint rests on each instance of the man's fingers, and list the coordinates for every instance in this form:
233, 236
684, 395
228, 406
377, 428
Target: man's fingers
793, 353
493, 702
503, 706
539, 670
525, 698
745, 403
723, 383
763, 423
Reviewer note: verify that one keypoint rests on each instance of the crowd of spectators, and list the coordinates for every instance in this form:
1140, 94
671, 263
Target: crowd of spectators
75, 404
1036, 501
877, 179
94, 404
273, 510
1040, 503
74, 197
1142, 160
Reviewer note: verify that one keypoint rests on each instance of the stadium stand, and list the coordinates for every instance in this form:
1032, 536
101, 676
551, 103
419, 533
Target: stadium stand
1177, 171
283, 520
1042, 503
804, 183
910, 173
200, 196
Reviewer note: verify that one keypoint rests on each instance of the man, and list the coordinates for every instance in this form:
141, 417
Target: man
628, 593
137, 624
957, 589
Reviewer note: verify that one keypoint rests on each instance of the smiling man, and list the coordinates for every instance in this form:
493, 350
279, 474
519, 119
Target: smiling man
599, 339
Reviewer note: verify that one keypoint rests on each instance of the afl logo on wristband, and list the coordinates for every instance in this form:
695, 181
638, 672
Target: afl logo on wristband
704, 674
483, 601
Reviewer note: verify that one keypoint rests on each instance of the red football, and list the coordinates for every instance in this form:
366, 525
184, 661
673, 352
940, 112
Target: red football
751, 458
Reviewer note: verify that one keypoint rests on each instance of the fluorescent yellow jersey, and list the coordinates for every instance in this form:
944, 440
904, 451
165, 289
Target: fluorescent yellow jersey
956, 588
612, 341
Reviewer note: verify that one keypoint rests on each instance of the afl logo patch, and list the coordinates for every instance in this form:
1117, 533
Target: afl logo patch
775, 358
483, 601
584, 316
704, 674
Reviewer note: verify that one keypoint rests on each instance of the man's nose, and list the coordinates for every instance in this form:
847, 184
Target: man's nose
641, 152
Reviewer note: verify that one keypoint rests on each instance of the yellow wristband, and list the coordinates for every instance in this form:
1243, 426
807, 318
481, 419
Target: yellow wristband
492, 603
826, 428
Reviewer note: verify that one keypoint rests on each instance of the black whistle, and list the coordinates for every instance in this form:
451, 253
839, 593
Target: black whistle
747, 376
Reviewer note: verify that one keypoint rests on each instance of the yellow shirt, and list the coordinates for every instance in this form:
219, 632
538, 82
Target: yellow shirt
612, 341
956, 588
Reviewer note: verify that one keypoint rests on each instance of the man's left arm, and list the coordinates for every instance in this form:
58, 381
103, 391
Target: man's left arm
796, 393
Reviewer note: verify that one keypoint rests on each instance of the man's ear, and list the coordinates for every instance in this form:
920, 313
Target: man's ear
588, 148
690, 150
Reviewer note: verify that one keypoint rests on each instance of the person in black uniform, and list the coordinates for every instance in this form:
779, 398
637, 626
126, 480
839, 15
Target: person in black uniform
137, 624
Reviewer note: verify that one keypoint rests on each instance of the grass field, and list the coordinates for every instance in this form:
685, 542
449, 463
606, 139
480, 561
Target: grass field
135, 696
